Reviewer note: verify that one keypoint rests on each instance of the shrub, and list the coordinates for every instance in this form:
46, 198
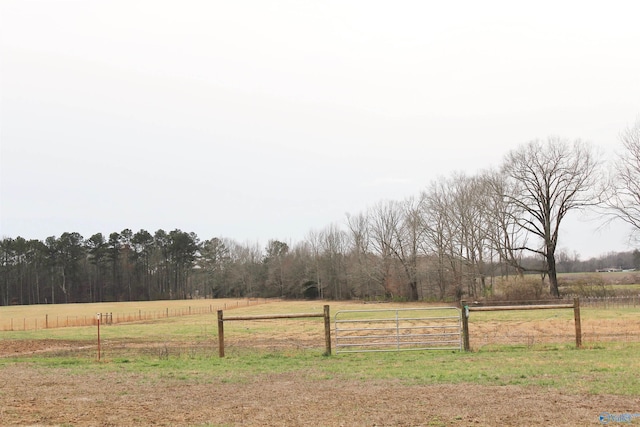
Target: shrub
525, 288
592, 285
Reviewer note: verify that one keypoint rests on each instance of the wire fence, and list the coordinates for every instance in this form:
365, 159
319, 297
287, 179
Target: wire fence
50, 321
531, 334
603, 319
196, 341
632, 301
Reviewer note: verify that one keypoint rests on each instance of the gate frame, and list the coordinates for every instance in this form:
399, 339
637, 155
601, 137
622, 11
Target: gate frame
458, 316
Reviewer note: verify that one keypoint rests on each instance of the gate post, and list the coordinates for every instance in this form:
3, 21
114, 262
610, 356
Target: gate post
465, 325
327, 331
576, 317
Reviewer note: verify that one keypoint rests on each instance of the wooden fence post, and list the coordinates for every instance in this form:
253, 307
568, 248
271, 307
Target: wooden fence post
98, 318
465, 325
576, 316
220, 334
327, 331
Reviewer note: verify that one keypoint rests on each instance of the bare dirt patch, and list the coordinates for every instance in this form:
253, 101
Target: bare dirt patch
31, 395
11, 348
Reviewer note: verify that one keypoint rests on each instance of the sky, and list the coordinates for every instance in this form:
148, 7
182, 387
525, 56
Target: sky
258, 120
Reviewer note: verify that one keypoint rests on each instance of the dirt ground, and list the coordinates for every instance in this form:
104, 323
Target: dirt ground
32, 395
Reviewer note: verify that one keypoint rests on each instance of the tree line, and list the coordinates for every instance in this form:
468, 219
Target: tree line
453, 239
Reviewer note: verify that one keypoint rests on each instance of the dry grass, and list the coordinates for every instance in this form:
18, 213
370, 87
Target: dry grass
198, 332
46, 316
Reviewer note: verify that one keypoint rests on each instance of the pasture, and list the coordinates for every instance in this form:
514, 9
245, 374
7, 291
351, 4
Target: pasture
523, 370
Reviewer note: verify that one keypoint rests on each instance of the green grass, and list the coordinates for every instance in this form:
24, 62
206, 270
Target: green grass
598, 370
604, 369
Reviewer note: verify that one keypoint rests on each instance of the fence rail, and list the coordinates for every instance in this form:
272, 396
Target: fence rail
325, 314
540, 306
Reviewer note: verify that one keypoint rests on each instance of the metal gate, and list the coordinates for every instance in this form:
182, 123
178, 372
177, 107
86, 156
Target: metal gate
428, 328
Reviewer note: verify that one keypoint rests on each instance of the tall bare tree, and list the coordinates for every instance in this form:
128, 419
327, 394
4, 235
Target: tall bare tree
623, 200
408, 239
551, 179
361, 265
456, 230
505, 236
313, 240
384, 220
333, 244
248, 273
471, 204
438, 231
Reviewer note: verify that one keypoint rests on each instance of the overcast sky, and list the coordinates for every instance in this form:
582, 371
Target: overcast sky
255, 120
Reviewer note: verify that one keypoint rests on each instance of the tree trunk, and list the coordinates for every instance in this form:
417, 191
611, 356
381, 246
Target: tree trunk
553, 276
414, 290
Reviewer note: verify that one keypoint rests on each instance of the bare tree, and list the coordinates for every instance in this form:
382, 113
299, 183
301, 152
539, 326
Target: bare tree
457, 230
469, 210
439, 231
361, 265
248, 272
333, 243
314, 241
384, 220
623, 200
407, 239
506, 238
550, 179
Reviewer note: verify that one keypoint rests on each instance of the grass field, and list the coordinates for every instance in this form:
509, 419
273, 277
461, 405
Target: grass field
47, 316
166, 371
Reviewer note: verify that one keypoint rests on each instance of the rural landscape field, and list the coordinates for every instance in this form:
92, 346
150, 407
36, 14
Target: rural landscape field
523, 369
